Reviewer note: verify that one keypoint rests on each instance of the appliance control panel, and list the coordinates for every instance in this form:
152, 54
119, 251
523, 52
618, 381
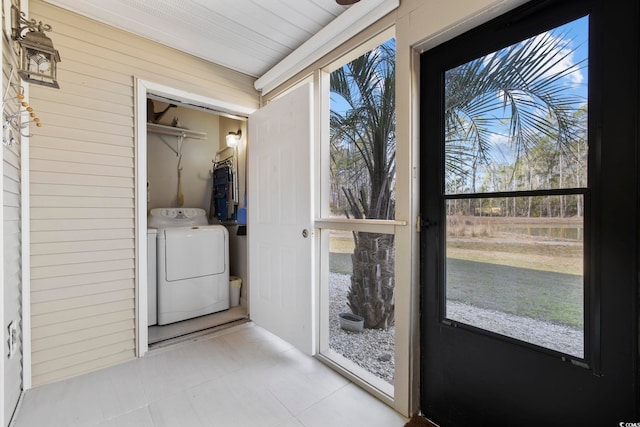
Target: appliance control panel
178, 212
176, 217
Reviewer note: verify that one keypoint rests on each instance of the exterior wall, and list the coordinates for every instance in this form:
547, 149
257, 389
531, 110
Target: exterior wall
11, 241
82, 187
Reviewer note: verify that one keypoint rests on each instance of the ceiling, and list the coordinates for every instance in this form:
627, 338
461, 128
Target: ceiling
249, 36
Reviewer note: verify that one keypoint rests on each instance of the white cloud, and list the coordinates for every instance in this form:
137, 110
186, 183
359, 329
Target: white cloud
498, 139
564, 56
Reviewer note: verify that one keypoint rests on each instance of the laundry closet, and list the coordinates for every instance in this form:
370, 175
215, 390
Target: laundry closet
196, 216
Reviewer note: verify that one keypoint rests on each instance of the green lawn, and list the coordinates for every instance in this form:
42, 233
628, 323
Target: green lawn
544, 295
526, 278
340, 263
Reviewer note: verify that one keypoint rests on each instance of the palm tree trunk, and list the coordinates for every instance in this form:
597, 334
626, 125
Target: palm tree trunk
372, 290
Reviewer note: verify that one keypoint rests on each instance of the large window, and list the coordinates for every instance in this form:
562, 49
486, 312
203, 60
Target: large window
359, 213
363, 137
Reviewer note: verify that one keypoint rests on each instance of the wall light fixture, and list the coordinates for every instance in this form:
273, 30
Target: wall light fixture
233, 138
38, 57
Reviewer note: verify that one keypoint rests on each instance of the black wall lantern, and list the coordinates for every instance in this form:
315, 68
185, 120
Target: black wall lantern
38, 57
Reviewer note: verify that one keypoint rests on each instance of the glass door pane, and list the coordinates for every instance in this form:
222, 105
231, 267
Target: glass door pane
520, 276
358, 329
515, 181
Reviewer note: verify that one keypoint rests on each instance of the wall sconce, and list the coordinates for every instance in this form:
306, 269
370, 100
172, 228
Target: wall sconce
233, 138
38, 57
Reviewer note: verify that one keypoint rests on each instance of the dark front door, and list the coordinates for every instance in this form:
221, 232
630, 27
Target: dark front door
529, 207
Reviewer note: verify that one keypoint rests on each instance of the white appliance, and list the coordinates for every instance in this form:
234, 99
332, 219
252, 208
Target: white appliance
152, 279
192, 264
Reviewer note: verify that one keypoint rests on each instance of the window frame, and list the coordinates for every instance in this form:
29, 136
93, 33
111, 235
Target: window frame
399, 395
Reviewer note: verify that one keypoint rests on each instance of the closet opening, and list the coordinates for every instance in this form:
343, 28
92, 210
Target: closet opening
194, 218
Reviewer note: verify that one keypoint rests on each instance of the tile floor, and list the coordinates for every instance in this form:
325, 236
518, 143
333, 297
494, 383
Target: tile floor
242, 376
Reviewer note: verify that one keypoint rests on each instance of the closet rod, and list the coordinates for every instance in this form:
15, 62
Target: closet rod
174, 131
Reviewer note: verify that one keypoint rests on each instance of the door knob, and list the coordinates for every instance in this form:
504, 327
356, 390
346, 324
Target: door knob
305, 233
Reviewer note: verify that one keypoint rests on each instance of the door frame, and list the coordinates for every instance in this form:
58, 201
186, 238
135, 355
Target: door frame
414, 38
143, 88
402, 396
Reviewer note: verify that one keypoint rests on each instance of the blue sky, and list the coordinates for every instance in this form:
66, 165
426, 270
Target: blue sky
575, 37
577, 31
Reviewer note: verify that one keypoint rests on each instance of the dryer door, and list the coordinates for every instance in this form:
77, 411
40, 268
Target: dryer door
194, 252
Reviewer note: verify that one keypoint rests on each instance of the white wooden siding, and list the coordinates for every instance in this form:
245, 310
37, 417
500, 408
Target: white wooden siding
12, 247
82, 177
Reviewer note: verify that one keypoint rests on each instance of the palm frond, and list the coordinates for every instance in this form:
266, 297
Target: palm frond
520, 88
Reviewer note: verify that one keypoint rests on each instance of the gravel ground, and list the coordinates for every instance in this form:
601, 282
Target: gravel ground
557, 337
373, 349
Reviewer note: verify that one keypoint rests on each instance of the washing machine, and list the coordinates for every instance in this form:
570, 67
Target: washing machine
192, 264
152, 280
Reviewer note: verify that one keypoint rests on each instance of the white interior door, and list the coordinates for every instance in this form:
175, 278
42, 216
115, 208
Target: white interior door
280, 233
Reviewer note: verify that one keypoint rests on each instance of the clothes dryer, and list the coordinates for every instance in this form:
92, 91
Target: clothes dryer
192, 264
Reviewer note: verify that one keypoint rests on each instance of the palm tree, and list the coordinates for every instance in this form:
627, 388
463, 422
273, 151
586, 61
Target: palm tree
366, 130
523, 86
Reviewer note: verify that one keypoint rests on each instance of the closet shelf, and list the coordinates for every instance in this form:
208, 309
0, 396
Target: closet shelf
174, 131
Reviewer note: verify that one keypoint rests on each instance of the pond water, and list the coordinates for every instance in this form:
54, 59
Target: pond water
562, 232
